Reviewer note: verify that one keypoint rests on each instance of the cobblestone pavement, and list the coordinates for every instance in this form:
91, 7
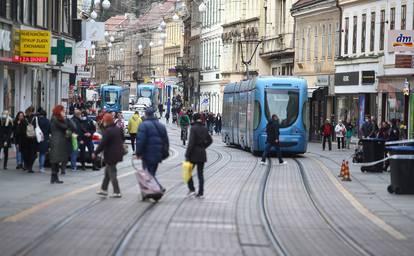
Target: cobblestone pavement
296, 209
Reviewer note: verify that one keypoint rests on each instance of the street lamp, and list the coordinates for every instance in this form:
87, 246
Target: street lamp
106, 4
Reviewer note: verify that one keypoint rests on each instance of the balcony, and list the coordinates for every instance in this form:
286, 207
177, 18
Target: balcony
276, 45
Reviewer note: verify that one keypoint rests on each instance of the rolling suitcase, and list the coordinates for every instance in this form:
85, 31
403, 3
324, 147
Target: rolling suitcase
150, 189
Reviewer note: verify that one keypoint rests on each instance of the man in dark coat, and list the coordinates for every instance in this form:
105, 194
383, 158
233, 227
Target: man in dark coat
152, 140
112, 146
200, 139
77, 130
272, 131
88, 129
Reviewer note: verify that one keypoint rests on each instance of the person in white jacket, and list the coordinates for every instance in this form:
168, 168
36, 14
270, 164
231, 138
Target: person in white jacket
340, 131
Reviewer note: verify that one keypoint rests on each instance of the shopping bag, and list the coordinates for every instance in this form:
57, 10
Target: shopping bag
187, 171
39, 134
75, 145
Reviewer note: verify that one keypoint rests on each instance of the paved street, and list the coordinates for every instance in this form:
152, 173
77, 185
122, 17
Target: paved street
301, 208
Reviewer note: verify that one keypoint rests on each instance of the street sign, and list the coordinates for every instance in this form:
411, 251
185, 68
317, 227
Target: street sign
83, 74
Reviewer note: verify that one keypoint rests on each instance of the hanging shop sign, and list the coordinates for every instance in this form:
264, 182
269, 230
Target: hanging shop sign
368, 77
404, 61
348, 78
400, 40
32, 46
322, 80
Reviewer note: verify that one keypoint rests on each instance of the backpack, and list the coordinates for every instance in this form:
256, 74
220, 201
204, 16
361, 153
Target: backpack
30, 131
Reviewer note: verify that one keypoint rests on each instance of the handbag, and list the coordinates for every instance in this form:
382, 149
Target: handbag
39, 134
187, 171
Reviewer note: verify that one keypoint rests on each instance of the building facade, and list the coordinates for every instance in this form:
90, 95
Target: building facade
39, 82
316, 46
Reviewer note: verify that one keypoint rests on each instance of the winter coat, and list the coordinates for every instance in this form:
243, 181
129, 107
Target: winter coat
340, 130
199, 140
272, 131
18, 132
349, 130
44, 125
112, 145
87, 126
151, 138
134, 123
326, 130
60, 146
394, 133
6, 131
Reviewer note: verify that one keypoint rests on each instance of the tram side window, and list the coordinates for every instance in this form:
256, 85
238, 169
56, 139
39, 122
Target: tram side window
257, 115
111, 97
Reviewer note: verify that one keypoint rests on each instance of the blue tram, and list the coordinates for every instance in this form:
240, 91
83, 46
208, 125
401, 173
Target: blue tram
114, 98
249, 104
147, 94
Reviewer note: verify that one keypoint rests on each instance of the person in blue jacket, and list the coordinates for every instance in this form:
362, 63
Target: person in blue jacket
152, 142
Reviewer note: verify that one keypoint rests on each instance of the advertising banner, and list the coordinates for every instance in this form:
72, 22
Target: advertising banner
400, 40
361, 107
93, 31
32, 46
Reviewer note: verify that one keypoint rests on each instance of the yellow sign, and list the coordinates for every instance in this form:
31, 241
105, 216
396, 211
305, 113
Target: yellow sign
34, 46
147, 79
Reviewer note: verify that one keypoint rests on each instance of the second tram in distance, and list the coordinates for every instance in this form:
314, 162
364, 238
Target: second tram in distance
249, 104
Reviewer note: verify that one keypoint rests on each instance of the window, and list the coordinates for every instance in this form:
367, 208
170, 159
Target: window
372, 33
323, 41
308, 46
329, 41
315, 44
283, 103
337, 34
354, 34
382, 30
346, 39
392, 18
55, 15
66, 19
403, 17
6, 8
41, 13
363, 32
303, 45
257, 114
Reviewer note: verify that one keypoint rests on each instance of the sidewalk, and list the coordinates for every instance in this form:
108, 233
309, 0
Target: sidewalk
369, 188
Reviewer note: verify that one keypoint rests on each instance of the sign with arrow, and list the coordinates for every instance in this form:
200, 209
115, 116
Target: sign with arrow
33, 46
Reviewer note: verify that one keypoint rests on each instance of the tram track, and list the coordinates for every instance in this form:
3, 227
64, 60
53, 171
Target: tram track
79, 212
122, 245
338, 231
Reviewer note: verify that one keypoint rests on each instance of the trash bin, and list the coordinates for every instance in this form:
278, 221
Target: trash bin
402, 172
373, 150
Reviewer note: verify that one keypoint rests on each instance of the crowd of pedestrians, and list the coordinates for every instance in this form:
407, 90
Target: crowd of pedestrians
343, 132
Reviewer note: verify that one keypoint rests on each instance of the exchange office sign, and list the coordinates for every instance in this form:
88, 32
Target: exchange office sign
348, 78
32, 46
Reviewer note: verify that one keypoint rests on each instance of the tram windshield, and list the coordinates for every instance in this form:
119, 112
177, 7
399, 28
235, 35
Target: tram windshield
283, 103
146, 93
111, 97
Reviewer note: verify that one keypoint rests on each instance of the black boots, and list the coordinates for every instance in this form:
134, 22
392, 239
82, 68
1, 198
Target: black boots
55, 180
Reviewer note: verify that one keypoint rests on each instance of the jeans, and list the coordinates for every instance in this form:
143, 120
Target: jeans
341, 141
19, 157
42, 159
86, 144
329, 138
74, 159
200, 175
268, 148
110, 175
348, 142
133, 138
152, 169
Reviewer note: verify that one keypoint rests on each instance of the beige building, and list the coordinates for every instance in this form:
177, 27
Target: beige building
316, 46
241, 27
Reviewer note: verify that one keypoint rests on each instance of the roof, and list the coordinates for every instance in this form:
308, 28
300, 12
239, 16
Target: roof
155, 15
113, 23
302, 3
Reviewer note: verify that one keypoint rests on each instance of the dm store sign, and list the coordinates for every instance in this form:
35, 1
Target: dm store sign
400, 40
